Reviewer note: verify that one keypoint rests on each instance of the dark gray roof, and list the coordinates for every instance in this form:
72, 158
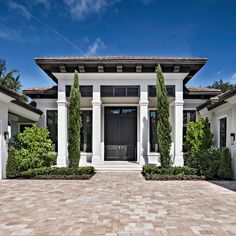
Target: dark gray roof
217, 100
17, 96
143, 64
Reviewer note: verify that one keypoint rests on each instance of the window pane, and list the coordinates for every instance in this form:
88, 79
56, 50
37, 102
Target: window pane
107, 91
52, 127
86, 132
223, 131
132, 91
120, 92
153, 131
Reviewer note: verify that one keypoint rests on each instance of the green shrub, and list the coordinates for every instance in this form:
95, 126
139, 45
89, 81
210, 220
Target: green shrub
32, 149
198, 138
49, 159
158, 170
12, 169
58, 171
173, 177
206, 162
225, 166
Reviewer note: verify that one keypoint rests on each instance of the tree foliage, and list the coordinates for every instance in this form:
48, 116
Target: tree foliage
225, 168
30, 149
75, 124
163, 125
198, 136
222, 85
10, 79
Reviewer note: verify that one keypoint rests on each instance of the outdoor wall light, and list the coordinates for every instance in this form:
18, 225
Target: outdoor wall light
232, 138
6, 136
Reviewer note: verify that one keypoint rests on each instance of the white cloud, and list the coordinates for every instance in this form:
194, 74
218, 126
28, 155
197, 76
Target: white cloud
233, 77
8, 34
97, 45
45, 3
20, 8
80, 9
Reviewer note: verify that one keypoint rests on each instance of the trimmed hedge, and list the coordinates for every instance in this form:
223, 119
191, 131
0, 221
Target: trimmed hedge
173, 177
170, 173
59, 173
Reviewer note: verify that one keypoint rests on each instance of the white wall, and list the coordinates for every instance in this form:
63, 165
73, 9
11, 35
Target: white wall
3, 144
227, 110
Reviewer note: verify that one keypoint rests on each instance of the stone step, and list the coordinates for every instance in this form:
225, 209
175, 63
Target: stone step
118, 168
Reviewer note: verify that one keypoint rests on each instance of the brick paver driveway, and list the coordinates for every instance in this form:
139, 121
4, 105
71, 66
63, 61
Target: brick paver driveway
116, 204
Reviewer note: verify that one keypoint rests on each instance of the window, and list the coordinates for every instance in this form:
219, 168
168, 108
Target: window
153, 131
23, 126
52, 127
86, 132
170, 90
120, 91
85, 91
223, 132
188, 116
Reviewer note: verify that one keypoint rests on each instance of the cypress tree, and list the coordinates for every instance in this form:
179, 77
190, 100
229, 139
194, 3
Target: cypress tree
163, 124
75, 124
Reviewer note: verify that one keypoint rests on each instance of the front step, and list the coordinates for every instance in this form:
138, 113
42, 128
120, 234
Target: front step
118, 166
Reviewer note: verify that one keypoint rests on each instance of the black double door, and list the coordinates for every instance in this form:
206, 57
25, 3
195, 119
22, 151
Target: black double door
120, 134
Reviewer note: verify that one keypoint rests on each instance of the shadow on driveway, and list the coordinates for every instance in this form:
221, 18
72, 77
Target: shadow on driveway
229, 184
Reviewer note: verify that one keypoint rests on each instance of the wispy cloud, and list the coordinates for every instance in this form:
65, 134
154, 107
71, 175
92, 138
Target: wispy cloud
26, 13
20, 8
96, 46
80, 9
233, 77
45, 3
8, 33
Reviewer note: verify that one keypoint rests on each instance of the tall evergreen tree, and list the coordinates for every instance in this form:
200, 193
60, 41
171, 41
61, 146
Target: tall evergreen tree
163, 124
75, 124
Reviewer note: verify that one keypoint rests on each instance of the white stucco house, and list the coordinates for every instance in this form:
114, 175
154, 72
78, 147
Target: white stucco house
221, 112
14, 116
118, 107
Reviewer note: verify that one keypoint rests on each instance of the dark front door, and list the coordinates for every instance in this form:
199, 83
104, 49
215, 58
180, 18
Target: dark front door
120, 134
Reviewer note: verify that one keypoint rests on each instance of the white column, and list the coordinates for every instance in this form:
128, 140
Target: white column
3, 143
62, 159
179, 161
143, 120
97, 123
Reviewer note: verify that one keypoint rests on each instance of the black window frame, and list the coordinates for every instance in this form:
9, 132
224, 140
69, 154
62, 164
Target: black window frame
89, 145
223, 138
152, 90
152, 148
53, 134
187, 121
113, 91
85, 90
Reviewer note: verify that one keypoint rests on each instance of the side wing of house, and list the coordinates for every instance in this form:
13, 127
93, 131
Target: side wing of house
221, 112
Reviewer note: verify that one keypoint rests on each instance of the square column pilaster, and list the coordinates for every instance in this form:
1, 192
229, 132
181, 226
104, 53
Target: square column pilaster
62, 109
143, 125
97, 124
179, 160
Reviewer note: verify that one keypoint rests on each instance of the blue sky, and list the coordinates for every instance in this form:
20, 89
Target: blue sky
188, 28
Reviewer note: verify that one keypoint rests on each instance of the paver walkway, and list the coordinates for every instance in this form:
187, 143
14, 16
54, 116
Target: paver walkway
116, 204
